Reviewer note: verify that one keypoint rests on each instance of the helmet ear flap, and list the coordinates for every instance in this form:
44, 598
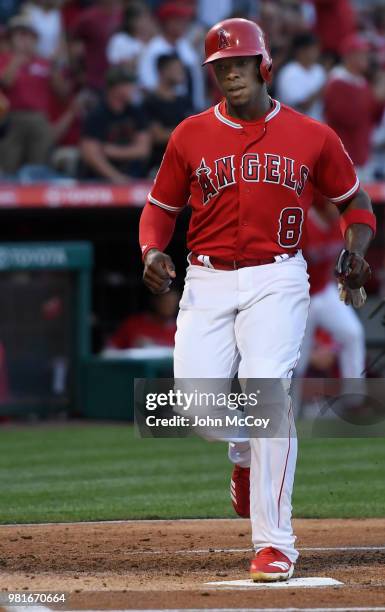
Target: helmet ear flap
266, 70
259, 61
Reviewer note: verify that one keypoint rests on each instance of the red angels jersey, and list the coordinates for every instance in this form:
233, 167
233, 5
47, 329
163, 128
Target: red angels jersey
323, 242
250, 183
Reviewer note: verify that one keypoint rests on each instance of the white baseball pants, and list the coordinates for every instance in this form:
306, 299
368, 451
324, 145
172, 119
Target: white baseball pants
252, 321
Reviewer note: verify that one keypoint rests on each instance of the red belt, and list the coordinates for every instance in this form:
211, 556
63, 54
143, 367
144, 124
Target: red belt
220, 264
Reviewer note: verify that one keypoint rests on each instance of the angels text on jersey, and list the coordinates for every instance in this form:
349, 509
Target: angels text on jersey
254, 168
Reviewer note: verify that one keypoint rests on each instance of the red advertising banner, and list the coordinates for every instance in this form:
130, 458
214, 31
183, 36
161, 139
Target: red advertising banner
94, 195
51, 195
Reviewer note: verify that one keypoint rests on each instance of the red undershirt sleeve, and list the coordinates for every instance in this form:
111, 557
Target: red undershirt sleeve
156, 228
168, 196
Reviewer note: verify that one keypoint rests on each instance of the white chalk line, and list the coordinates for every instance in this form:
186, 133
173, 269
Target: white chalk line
130, 521
206, 551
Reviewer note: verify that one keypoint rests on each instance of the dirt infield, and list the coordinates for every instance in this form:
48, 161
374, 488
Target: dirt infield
165, 564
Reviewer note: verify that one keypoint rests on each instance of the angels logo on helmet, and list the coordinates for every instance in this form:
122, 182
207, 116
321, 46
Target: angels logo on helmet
223, 39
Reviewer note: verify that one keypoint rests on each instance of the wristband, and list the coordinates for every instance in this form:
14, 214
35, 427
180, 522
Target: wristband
364, 217
146, 248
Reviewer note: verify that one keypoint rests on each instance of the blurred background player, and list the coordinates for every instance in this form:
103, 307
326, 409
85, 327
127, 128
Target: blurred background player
154, 327
327, 311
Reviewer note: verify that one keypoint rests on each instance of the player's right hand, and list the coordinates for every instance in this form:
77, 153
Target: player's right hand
159, 271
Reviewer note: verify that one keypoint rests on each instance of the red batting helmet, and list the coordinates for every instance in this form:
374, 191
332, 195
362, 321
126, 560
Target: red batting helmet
238, 38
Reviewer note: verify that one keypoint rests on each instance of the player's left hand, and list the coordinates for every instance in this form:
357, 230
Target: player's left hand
352, 271
354, 297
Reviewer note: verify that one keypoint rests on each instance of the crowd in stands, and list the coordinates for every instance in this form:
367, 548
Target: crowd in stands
91, 90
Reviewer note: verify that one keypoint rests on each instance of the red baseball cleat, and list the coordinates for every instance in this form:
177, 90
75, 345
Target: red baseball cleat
240, 491
270, 565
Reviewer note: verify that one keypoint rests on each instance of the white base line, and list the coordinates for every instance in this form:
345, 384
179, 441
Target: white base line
128, 521
206, 551
341, 548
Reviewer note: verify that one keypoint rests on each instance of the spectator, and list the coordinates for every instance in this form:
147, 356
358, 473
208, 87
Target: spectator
272, 22
300, 83
210, 13
116, 141
67, 115
165, 107
374, 28
71, 11
45, 17
174, 19
138, 28
67, 121
4, 112
94, 28
353, 122
8, 9
154, 328
335, 21
378, 144
28, 82
294, 17
4, 46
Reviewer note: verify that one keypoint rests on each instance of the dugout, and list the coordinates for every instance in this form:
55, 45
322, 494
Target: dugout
44, 325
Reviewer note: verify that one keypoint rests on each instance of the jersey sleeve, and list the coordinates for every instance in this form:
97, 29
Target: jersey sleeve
171, 189
335, 176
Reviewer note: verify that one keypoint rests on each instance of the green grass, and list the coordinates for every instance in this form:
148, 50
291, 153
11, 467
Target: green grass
104, 472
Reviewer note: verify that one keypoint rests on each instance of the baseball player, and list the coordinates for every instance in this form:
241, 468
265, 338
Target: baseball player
248, 167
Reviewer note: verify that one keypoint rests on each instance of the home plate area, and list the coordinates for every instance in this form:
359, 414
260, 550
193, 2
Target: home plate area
293, 583
193, 565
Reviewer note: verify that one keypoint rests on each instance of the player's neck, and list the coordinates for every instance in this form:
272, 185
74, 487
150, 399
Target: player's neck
254, 110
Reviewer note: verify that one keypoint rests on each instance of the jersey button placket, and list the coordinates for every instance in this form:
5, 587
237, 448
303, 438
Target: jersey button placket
244, 195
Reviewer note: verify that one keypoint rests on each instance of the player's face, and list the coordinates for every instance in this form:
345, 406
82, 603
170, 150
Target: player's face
238, 79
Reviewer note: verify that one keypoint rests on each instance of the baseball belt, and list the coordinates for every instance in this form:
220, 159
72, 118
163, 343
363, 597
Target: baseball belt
220, 264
